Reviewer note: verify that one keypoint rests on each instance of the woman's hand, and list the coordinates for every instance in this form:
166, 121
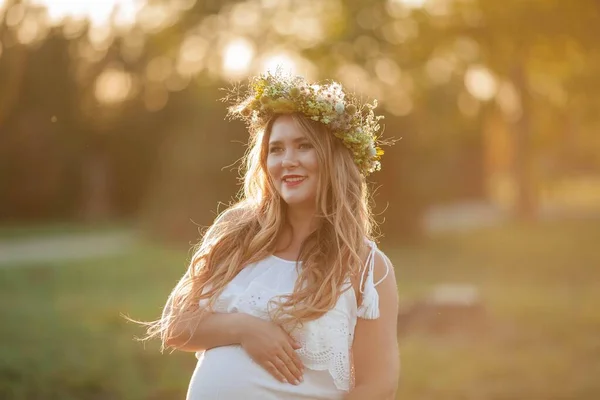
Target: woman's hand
271, 347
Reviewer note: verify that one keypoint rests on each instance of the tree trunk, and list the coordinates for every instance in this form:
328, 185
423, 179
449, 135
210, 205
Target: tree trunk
13, 80
96, 199
526, 202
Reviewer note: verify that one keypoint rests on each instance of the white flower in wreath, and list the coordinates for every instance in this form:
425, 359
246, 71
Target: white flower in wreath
372, 151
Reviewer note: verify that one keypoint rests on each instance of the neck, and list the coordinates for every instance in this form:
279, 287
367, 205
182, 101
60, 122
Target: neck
300, 222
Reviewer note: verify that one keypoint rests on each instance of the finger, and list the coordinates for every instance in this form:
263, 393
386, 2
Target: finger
292, 353
282, 367
296, 366
272, 369
294, 343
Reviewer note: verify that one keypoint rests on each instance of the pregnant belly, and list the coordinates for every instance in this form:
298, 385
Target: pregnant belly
228, 373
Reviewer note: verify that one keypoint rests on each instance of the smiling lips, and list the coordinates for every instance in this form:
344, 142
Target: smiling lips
293, 180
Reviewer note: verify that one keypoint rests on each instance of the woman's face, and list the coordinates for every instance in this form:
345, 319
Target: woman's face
292, 163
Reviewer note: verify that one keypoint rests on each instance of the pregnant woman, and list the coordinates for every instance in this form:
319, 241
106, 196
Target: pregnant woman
287, 295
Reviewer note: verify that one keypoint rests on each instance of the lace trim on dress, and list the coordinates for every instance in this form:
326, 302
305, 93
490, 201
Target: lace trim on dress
327, 341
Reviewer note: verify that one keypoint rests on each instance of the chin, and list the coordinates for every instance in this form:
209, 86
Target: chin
297, 199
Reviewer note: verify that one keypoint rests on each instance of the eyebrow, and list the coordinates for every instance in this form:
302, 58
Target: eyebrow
296, 140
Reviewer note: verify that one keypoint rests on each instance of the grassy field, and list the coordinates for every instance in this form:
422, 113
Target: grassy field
62, 337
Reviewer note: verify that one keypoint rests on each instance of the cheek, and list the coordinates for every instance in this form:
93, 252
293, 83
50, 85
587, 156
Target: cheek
273, 167
312, 161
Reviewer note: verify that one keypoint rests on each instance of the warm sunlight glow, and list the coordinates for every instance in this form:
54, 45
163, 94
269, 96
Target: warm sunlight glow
113, 86
191, 55
159, 69
280, 60
155, 17
410, 3
440, 69
387, 71
28, 31
14, 15
238, 56
399, 103
98, 12
245, 16
509, 101
480, 82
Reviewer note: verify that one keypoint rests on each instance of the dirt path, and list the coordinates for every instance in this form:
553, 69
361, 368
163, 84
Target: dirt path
65, 247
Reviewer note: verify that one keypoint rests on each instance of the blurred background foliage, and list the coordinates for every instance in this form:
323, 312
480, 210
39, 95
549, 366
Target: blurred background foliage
116, 114
109, 117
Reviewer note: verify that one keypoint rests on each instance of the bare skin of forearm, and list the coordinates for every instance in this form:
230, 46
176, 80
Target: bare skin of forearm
370, 392
214, 330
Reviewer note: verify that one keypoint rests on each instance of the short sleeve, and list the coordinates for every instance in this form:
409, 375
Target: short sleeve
204, 302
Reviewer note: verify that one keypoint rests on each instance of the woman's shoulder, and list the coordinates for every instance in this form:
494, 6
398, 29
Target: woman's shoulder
376, 265
382, 265
375, 258
233, 213
374, 262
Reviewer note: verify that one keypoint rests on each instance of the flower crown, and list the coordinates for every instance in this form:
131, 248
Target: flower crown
355, 124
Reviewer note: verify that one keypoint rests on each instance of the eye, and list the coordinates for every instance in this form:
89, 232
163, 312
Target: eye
305, 146
275, 149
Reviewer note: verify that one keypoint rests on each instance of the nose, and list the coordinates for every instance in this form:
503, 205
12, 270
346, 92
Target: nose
289, 160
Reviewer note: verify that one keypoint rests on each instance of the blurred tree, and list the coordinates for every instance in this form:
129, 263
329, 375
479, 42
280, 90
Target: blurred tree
13, 69
533, 50
124, 98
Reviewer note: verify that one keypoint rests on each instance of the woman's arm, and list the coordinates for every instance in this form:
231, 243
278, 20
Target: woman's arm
375, 348
202, 330
268, 344
210, 330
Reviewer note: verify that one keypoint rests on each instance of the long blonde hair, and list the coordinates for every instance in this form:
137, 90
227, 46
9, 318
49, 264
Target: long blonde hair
247, 232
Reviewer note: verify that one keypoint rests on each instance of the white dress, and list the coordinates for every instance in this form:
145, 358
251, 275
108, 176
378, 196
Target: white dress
228, 373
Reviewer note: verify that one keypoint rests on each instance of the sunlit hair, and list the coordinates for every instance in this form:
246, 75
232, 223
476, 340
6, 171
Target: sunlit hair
248, 232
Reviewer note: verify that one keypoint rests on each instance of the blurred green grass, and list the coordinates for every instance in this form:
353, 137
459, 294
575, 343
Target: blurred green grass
62, 336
